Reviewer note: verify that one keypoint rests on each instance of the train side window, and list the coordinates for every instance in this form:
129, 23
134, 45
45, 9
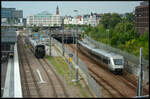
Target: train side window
100, 58
105, 61
108, 61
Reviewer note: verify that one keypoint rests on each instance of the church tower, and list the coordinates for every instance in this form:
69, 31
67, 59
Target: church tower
57, 11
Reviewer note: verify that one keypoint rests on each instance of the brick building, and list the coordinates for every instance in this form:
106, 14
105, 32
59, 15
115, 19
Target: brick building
142, 17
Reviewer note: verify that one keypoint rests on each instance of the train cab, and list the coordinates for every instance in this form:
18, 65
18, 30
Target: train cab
40, 51
117, 65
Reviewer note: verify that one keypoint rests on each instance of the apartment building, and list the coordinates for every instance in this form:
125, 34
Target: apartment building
142, 17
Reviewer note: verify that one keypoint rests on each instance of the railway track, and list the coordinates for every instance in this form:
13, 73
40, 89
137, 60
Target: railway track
31, 87
121, 79
47, 85
57, 85
25, 87
132, 83
47, 66
60, 81
114, 92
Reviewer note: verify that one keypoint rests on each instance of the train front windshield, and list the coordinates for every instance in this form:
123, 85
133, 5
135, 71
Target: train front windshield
118, 61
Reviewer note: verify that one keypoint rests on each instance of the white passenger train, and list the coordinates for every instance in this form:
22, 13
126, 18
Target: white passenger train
114, 62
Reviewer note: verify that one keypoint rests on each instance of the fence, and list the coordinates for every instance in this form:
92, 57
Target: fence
127, 56
91, 82
131, 62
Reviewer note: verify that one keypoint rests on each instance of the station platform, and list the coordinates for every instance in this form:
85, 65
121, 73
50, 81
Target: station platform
12, 86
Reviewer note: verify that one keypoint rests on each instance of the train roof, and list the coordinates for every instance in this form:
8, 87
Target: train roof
100, 51
107, 54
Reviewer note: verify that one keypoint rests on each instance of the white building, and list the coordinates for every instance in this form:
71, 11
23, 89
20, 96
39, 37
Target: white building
71, 20
68, 20
86, 19
55, 20
92, 20
75, 21
80, 20
44, 19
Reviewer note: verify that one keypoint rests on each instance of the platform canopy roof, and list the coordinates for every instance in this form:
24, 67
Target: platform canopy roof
8, 36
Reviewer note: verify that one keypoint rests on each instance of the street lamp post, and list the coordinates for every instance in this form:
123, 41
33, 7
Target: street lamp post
77, 44
73, 35
50, 42
108, 36
63, 35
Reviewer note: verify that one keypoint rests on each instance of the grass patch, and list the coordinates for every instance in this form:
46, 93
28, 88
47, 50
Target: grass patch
59, 65
65, 71
26, 46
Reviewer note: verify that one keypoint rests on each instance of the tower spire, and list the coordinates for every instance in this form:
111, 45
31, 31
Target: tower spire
57, 11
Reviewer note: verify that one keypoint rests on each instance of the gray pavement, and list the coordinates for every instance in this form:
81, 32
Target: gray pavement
53, 51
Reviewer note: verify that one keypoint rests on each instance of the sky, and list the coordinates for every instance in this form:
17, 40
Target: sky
68, 7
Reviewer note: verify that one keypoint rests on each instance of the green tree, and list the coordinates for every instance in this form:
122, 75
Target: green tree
35, 29
130, 17
110, 20
106, 20
115, 20
122, 33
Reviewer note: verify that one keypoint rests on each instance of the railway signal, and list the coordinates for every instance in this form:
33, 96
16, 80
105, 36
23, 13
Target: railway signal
70, 63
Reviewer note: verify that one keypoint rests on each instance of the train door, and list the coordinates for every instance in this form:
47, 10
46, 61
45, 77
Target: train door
111, 64
108, 62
